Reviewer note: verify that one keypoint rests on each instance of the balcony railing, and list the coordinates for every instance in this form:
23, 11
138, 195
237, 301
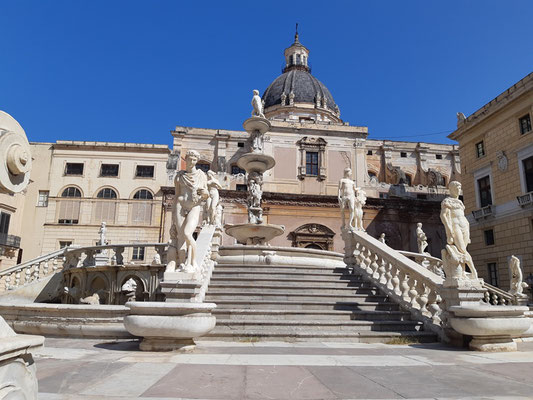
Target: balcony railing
525, 199
9, 240
484, 212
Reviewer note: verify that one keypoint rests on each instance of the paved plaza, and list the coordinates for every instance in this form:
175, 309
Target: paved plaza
99, 369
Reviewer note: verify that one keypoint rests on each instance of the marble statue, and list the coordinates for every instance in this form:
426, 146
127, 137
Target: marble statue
92, 300
257, 141
360, 201
460, 118
455, 257
213, 185
421, 239
382, 238
346, 196
257, 105
129, 288
255, 193
102, 232
191, 191
157, 259
218, 215
517, 283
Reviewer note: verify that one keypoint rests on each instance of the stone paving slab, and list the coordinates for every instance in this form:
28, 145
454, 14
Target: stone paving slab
91, 369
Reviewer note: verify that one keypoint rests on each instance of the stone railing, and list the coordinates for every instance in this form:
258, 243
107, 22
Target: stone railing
525, 199
484, 212
32, 270
493, 295
431, 263
409, 284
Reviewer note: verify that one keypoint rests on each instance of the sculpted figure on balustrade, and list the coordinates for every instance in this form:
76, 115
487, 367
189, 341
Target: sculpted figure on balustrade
213, 186
353, 198
421, 239
191, 191
455, 256
517, 283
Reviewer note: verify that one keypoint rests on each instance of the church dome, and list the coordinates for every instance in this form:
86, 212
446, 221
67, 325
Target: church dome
306, 89
296, 94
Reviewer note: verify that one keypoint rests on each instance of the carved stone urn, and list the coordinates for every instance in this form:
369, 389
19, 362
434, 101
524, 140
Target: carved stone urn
491, 327
169, 326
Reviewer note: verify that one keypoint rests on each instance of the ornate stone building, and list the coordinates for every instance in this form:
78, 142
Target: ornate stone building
496, 147
312, 146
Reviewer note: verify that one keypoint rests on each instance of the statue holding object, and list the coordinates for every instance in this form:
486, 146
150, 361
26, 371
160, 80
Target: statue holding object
455, 256
190, 192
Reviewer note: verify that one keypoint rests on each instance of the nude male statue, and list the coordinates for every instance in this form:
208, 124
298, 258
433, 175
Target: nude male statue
421, 239
191, 190
257, 105
457, 229
354, 198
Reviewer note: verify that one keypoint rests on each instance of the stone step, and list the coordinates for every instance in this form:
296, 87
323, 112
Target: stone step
280, 274
288, 334
322, 282
228, 325
266, 269
311, 315
314, 295
258, 288
301, 304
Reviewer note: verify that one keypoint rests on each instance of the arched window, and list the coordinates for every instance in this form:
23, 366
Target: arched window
143, 194
104, 211
69, 210
141, 211
71, 192
107, 193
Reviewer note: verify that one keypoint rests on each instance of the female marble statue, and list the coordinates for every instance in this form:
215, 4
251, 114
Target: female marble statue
421, 238
191, 190
213, 185
517, 284
455, 256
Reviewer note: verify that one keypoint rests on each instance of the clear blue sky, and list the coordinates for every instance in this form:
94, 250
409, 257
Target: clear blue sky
130, 71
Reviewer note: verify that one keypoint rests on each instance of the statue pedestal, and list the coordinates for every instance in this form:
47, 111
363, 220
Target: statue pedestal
256, 124
254, 234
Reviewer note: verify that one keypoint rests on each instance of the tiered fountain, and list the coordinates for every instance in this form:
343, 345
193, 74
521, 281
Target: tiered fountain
255, 163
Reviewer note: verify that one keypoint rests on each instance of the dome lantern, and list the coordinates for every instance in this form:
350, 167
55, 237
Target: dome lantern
296, 56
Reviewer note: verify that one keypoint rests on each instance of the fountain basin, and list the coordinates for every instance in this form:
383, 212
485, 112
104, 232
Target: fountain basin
256, 162
254, 234
169, 326
492, 327
256, 124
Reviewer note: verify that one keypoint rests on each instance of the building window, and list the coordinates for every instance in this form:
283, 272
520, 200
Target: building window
312, 157
528, 173
403, 154
43, 198
241, 187
489, 237
369, 153
141, 211
438, 156
235, 170
69, 210
480, 149
109, 170
144, 171
74, 169
143, 194
138, 253
203, 166
525, 124
64, 243
240, 144
485, 197
311, 163
107, 193
4, 222
493, 274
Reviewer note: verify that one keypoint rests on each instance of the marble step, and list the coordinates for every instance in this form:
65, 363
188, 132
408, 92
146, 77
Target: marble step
228, 325
288, 334
301, 304
280, 274
259, 288
274, 280
306, 295
332, 315
266, 269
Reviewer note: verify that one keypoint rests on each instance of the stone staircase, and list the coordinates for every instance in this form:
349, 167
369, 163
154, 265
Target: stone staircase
299, 302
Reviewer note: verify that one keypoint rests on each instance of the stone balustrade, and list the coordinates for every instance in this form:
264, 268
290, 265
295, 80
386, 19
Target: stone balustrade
413, 286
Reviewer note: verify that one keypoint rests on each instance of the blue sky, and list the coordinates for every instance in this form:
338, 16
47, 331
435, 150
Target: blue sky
130, 71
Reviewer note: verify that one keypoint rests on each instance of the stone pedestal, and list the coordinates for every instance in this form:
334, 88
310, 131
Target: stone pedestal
169, 326
254, 234
17, 369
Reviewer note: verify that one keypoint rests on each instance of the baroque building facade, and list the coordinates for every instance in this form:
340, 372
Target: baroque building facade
496, 149
76, 185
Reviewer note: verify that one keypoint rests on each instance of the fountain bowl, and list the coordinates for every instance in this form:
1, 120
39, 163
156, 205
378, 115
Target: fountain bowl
254, 234
256, 161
